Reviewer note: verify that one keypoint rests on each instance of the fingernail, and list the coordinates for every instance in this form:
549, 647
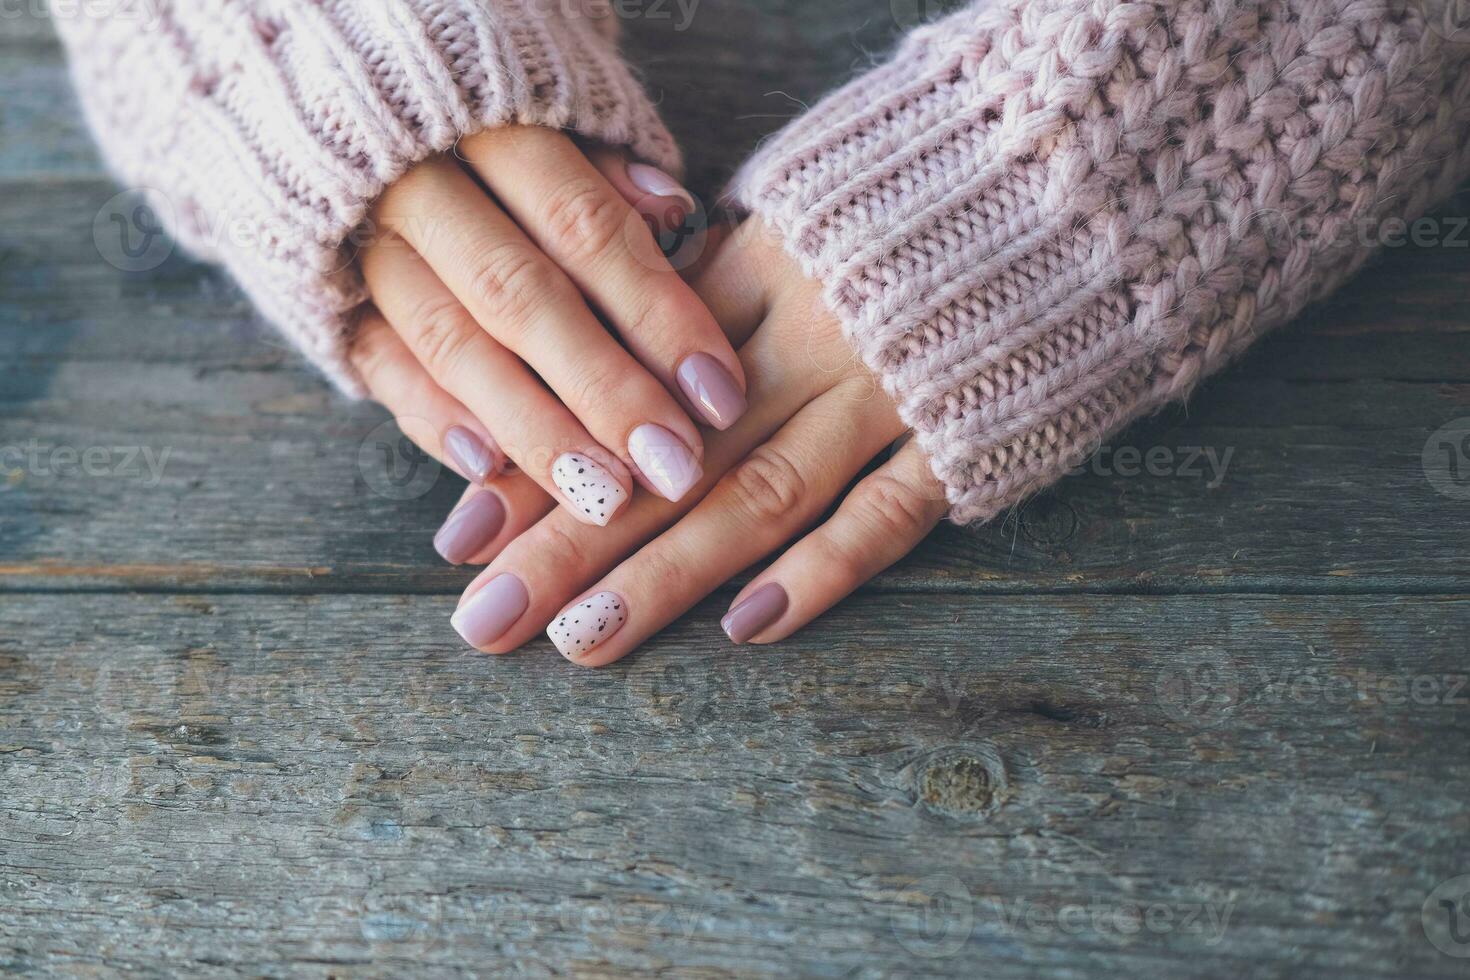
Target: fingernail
664, 460
471, 528
475, 459
582, 628
652, 180
588, 487
766, 605
490, 613
709, 387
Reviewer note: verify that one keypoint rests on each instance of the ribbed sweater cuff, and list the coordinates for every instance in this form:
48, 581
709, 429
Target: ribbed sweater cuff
1044, 218
263, 139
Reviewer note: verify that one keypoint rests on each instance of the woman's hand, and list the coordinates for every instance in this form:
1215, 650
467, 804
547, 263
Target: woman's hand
817, 420
491, 275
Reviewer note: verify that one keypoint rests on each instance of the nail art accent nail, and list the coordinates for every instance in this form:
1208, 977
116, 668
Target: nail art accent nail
758, 612
476, 460
580, 629
471, 528
588, 487
664, 461
652, 180
490, 613
709, 387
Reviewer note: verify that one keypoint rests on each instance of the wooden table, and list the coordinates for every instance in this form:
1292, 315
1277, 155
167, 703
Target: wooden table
1176, 718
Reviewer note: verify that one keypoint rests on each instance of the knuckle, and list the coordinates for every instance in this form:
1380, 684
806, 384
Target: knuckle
372, 355
661, 573
554, 545
582, 220
767, 487
887, 506
509, 280
442, 333
599, 387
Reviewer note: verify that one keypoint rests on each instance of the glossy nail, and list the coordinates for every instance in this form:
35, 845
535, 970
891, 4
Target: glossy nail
490, 613
709, 387
651, 180
591, 490
475, 459
580, 629
757, 613
471, 528
663, 459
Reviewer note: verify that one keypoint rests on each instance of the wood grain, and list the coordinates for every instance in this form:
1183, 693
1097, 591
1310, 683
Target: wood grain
1198, 722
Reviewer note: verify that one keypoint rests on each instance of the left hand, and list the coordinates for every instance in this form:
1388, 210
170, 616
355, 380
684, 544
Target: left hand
817, 419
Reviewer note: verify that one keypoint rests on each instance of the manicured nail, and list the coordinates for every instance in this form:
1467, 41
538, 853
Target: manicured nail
710, 388
580, 629
490, 613
588, 487
475, 459
664, 460
652, 180
471, 528
766, 605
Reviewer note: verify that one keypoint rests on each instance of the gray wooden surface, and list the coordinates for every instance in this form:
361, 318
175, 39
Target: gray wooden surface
1190, 722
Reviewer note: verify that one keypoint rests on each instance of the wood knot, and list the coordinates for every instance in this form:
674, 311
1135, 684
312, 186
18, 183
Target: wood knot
1048, 521
963, 783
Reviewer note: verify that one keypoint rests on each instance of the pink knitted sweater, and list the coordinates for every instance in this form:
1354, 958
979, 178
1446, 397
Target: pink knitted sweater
1040, 220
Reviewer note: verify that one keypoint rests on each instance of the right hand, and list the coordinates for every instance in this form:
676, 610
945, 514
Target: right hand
488, 278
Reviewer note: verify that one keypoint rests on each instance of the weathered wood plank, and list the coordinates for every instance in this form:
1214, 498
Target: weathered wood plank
263, 785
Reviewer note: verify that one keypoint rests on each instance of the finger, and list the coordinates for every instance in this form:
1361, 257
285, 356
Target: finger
486, 519
885, 517
663, 203
732, 284
769, 498
435, 421
533, 429
586, 226
556, 560
528, 304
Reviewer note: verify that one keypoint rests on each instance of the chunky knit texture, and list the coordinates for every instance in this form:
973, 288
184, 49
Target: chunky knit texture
263, 130
1044, 218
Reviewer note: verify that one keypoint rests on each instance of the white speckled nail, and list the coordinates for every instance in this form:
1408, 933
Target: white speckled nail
580, 629
591, 490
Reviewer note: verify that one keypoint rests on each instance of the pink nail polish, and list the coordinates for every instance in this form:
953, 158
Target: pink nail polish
471, 528
476, 459
756, 614
711, 389
591, 491
663, 459
490, 613
652, 180
582, 628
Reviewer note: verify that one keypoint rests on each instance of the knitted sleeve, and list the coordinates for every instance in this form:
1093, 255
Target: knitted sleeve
261, 131
1044, 218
